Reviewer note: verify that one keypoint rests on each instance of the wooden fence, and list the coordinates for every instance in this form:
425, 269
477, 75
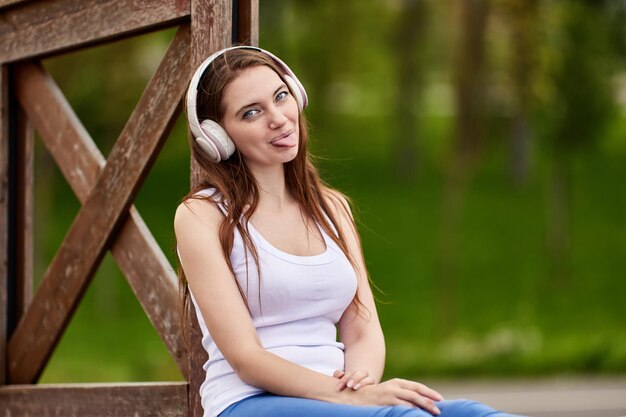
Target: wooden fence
31, 325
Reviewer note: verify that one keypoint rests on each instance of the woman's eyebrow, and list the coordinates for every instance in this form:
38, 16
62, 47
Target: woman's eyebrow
255, 103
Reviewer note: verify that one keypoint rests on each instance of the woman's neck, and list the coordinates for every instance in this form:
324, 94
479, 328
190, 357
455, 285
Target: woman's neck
272, 187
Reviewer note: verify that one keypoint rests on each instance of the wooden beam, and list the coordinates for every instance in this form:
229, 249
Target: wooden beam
4, 218
154, 283
211, 30
24, 172
76, 260
135, 250
95, 400
68, 142
5, 3
211, 27
248, 28
45, 27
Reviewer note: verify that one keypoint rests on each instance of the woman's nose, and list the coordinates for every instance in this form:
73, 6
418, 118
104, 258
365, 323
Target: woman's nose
276, 118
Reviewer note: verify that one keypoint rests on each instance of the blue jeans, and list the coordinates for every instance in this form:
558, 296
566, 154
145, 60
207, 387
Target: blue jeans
268, 405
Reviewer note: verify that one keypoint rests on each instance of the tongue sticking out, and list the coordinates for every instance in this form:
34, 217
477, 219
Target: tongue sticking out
286, 141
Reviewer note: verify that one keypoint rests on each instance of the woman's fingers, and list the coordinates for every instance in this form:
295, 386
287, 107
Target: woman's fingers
368, 380
430, 393
355, 378
342, 381
418, 400
417, 394
352, 379
421, 389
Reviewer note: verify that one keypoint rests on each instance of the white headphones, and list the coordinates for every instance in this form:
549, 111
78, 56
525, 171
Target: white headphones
209, 135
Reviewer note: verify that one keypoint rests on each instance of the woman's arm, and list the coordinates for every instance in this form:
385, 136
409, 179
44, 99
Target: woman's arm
359, 328
196, 225
227, 318
362, 335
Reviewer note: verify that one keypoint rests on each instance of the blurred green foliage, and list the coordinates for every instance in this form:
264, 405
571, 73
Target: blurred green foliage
537, 286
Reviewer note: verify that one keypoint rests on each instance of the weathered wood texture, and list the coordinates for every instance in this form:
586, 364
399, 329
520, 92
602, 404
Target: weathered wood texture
211, 27
25, 147
30, 28
68, 142
37, 28
211, 30
138, 255
248, 30
76, 260
4, 216
4, 3
95, 400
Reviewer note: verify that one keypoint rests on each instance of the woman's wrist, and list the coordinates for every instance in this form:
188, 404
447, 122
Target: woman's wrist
349, 397
330, 393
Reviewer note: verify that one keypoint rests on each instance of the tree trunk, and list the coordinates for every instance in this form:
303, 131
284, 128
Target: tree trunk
558, 219
470, 93
521, 17
520, 148
409, 40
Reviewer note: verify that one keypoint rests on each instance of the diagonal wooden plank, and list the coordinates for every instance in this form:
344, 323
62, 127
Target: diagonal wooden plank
159, 399
4, 3
154, 283
74, 264
69, 143
138, 255
37, 28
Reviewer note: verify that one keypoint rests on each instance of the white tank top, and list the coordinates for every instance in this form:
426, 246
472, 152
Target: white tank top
301, 299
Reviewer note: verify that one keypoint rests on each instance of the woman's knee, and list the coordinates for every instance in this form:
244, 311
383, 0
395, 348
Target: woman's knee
465, 408
402, 411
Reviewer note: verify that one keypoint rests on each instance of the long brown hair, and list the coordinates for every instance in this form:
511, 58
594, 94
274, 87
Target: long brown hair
235, 184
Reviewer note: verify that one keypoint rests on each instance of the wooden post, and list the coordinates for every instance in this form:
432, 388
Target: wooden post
4, 217
248, 22
211, 30
24, 176
16, 209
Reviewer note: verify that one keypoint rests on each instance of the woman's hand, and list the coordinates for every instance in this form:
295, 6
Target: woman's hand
399, 392
354, 379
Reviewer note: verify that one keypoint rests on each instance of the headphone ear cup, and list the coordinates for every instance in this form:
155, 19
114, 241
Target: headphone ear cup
295, 91
209, 149
215, 141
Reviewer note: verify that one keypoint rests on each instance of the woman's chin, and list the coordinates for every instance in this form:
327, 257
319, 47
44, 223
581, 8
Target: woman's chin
288, 154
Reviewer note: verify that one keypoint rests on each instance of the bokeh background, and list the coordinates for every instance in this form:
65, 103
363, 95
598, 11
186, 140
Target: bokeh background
483, 144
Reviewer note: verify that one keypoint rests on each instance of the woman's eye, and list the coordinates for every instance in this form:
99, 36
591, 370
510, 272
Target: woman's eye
282, 95
249, 113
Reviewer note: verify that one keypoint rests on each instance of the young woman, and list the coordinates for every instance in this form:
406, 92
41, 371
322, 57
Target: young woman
273, 264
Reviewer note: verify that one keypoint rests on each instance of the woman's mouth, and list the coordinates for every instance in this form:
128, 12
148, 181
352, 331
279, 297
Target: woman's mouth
286, 140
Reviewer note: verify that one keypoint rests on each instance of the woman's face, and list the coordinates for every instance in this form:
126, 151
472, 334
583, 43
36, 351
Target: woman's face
261, 117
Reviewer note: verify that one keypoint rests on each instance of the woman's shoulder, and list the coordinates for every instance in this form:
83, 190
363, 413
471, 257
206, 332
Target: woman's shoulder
197, 209
337, 202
